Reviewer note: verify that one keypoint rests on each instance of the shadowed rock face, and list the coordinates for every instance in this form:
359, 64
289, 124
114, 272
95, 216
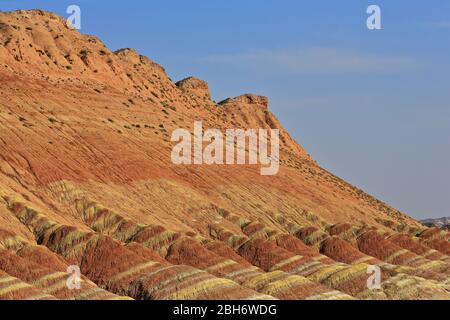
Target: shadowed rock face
86, 179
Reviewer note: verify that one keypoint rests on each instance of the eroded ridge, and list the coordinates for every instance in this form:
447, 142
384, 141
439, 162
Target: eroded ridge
127, 270
211, 256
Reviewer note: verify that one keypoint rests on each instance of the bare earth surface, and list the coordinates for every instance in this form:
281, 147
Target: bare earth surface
86, 179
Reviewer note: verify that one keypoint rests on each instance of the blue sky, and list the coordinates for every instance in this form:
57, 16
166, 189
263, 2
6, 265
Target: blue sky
371, 106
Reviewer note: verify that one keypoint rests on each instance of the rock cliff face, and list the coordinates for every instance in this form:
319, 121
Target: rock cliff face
86, 178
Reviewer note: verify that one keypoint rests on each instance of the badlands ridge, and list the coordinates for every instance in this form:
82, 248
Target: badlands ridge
86, 180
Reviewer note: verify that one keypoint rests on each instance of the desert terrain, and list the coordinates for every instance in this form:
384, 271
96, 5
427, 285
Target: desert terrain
86, 179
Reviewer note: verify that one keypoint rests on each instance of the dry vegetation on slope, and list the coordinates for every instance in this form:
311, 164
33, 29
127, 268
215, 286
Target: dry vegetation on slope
86, 179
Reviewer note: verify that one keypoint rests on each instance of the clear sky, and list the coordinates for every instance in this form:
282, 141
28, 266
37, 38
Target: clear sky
373, 107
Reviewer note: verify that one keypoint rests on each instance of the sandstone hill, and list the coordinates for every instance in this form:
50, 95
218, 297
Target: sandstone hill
86, 179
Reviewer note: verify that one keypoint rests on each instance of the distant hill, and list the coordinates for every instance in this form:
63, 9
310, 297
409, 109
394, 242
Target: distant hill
443, 223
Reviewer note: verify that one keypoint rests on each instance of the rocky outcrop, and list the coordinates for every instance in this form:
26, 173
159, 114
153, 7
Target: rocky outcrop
194, 86
253, 99
249, 100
